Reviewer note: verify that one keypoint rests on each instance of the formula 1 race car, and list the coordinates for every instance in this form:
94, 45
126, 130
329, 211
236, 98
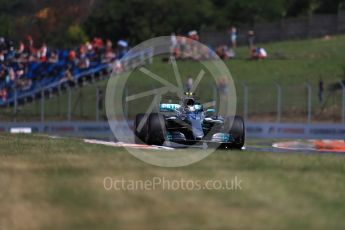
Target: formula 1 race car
186, 124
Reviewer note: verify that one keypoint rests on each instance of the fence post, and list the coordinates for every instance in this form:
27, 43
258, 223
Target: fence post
42, 105
215, 95
69, 104
309, 88
142, 58
15, 104
279, 102
245, 102
343, 102
81, 103
125, 101
97, 104
151, 54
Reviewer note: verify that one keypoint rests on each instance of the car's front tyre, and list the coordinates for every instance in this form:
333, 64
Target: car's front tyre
157, 131
237, 132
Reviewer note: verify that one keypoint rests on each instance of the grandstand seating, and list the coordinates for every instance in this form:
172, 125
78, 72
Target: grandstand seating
46, 78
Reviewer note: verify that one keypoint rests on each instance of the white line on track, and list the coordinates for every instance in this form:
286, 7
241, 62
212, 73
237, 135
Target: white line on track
125, 145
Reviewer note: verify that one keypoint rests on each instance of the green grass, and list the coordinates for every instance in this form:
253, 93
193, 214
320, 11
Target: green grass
58, 184
291, 64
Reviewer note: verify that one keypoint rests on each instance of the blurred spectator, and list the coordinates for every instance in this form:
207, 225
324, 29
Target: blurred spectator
3, 94
109, 53
21, 48
3, 45
251, 39
117, 67
72, 56
225, 53
193, 35
189, 84
31, 48
42, 53
2, 56
258, 53
54, 57
233, 37
223, 88
67, 75
173, 47
122, 46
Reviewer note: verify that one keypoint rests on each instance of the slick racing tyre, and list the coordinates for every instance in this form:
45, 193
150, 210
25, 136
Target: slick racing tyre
156, 129
238, 132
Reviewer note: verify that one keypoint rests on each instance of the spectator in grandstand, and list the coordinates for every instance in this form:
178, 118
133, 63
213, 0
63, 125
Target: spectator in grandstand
3, 94
54, 57
122, 46
3, 45
11, 74
109, 52
31, 48
72, 56
21, 48
118, 67
42, 53
68, 76
84, 62
233, 37
20, 67
2, 74
2, 56
23, 84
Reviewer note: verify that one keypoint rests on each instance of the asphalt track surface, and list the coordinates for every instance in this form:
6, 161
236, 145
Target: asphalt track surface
259, 146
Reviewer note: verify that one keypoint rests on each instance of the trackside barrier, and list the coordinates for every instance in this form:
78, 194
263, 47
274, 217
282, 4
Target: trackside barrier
254, 130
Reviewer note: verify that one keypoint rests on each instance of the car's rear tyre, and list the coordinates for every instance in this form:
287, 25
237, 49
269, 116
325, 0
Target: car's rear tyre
140, 135
238, 132
157, 131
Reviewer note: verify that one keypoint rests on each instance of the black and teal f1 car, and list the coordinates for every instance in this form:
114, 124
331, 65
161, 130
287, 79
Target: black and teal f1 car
188, 124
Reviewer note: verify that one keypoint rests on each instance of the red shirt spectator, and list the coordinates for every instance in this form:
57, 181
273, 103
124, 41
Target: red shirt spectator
42, 53
3, 94
72, 55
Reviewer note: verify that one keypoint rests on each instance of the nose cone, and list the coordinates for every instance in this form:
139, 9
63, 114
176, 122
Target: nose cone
198, 133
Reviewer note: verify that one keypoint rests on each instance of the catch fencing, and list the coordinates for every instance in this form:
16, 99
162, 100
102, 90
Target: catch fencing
273, 103
317, 25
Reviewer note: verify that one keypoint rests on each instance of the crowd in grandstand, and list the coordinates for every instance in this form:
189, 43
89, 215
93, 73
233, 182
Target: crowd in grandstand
25, 64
